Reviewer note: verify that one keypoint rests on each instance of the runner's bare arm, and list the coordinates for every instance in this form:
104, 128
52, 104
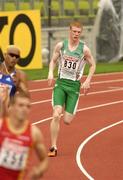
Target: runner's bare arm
22, 84
40, 150
4, 101
89, 58
53, 62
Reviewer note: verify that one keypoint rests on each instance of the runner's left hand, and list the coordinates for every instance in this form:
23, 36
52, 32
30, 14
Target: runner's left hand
86, 87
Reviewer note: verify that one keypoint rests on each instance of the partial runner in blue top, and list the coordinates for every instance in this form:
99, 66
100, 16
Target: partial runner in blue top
9, 75
7, 80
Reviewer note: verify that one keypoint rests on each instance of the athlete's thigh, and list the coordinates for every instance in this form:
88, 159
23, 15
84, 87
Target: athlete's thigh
72, 102
58, 96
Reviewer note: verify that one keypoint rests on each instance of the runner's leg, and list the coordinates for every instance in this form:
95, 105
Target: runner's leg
54, 126
58, 100
68, 117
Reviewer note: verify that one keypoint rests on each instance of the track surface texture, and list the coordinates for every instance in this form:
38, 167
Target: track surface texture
91, 147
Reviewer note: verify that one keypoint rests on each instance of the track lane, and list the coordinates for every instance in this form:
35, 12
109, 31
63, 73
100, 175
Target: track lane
69, 140
64, 166
96, 86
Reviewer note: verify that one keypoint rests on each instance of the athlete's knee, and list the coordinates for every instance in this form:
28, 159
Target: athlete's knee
57, 114
67, 122
68, 118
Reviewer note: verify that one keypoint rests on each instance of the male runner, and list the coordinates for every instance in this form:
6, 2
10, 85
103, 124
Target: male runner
17, 139
72, 54
9, 75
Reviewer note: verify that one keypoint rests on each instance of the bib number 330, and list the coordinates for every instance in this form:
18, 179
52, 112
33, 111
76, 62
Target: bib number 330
69, 64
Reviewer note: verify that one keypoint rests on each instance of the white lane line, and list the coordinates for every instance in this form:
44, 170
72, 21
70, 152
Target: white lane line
101, 74
91, 93
83, 109
107, 74
96, 82
105, 91
79, 151
42, 89
42, 120
115, 87
40, 102
108, 81
100, 105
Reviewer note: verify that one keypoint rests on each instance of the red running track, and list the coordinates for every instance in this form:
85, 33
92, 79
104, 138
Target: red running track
102, 156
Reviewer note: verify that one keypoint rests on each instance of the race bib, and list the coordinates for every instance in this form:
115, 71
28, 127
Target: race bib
13, 155
70, 65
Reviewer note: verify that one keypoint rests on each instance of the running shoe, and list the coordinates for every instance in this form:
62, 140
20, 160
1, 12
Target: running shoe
52, 152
